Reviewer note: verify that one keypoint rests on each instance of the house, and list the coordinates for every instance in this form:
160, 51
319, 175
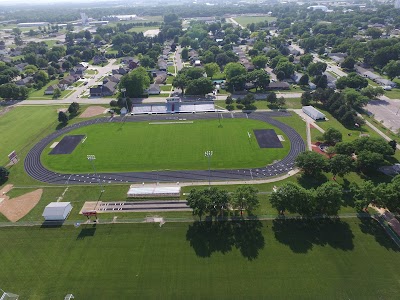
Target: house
385, 82
109, 88
278, 86
96, 91
106, 89
293, 51
162, 65
69, 80
131, 62
77, 71
21, 66
50, 89
197, 63
296, 77
154, 89
337, 57
99, 59
161, 77
249, 66
24, 81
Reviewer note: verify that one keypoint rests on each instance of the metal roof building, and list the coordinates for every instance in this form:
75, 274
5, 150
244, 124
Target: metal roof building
313, 113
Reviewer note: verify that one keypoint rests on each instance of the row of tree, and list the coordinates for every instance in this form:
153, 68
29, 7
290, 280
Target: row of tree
215, 202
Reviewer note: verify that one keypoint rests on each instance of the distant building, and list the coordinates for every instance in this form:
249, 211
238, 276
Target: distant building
84, 19
34, 24
318, 7
397, 4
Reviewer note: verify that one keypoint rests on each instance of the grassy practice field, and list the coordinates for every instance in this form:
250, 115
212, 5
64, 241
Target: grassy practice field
141, 146
347, 259
17, 135
245, 20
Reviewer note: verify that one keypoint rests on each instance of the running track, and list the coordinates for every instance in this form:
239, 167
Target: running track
35, 169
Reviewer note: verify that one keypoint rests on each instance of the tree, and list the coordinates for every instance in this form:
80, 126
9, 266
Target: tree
353, 80
315, 69
321, 81
367, 160
272, 98
245, 198
392, 69
198, 201
180, 82
393, 144
62, 117
280, 102
332, 136
374, 33
3, 174
371, 93
259, 61
135, 82
234, 69
113, 103
248, 101
200, 86
306, 59
147, 62
306, 98
364, 194
304, 80
73, 108
211, 69
286, 67
340, 165
56, 93
260, 78
328, 199
293, 198
280, 75
348, 63
185, 53
311, 163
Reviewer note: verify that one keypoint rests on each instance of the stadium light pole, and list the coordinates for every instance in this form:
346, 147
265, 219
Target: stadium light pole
208, 154
92, 158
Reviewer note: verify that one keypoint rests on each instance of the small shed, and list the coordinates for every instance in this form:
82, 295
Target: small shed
57, 211
313, 113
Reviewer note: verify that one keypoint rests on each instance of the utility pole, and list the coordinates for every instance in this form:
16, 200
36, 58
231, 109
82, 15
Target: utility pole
92, 158
208, 154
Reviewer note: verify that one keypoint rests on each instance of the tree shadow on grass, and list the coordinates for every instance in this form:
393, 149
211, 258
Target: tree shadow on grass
372, 227
209, 237
309, 182
302, 235
87, 231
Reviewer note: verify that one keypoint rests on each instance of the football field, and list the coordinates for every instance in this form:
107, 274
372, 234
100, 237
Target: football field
282, 259
150, 146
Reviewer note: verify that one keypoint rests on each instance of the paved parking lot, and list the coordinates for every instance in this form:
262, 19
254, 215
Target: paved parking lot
386, 110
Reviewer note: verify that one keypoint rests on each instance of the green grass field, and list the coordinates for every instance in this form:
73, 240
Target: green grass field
245, 20
141, 146
19, 135
348, 259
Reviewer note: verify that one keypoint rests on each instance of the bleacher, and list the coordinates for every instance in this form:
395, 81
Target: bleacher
170, 108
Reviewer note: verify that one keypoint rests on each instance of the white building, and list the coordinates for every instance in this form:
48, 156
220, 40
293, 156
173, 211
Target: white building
397, 4
57, 211
34, 24
313, 113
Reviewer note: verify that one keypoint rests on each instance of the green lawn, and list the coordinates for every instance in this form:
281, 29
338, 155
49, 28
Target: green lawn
263, 104
91, 72
39, 94
393, 94
170, 146
171, 69
343, 259
17, 135
166, 88
244, 20
51, 43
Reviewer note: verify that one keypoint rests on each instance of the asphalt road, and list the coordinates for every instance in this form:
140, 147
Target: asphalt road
36, 170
